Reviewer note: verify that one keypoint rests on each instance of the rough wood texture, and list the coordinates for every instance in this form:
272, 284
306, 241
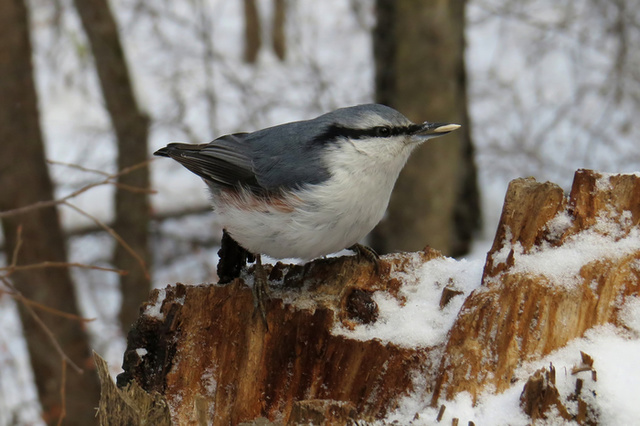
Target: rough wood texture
541, 400
540, 395
212, 360
130, 405
515, 316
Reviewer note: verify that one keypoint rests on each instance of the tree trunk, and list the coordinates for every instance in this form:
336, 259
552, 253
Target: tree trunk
24, 180
278, 29
200, 354
252, 31
132, 209
419, 55
207, 352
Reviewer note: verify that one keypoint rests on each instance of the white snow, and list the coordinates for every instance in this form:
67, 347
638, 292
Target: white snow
418, 321
562, 264
559, 224
630, 314
615, 355
154, 311
172, 72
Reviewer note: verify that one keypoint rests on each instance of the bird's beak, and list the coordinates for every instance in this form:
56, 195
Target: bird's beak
433, 130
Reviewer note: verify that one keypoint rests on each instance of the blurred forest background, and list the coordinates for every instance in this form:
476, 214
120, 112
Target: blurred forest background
88, 89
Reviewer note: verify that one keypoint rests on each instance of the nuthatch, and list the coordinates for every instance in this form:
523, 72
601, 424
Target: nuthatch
308, 188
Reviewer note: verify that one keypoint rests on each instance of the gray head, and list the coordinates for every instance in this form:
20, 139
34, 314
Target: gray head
303, 152
365, 116
374, 134
379, 121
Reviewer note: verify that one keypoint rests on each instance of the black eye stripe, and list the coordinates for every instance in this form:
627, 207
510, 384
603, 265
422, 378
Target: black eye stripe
335, 131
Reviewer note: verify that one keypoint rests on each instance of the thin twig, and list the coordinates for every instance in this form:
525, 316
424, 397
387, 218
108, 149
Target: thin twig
135, 189
50, 203
78, 167
114, 234
48, 264
158, 216
132, 168
16, 249
20, 297
53, 340
16, 294
44, 328
63, 394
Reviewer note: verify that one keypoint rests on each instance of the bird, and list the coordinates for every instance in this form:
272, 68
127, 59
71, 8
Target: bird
309, 188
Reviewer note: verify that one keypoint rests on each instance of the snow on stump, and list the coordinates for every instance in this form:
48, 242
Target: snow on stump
344, 343
207, 351
558, 266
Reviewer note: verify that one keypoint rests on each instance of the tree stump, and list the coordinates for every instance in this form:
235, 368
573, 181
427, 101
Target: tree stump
207, 351
521, 314
201, 354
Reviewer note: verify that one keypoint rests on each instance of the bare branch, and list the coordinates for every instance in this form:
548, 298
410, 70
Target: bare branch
113, 234
135, 189
18, 296
109, 180
16, 249
48, 264
49, 309
78, 167
42, 325
63, 394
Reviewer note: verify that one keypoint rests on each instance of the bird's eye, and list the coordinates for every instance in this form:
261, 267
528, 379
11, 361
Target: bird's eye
383, 131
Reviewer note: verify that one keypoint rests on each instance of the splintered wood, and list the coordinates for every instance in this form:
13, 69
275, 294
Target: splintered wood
207, 351
523, 314
203, 353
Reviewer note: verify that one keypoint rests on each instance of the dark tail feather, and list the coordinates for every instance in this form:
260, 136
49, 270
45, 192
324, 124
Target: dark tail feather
173, 148
162, 152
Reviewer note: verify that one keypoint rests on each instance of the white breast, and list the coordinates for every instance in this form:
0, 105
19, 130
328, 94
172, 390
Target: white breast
324, 218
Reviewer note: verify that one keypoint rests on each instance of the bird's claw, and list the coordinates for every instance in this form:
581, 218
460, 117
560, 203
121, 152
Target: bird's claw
368, 254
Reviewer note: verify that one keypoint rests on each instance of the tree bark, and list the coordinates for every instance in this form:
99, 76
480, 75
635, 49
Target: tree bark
278, 29
419, 55
242, 370
252, 32
132, 209
203, 352
24, 180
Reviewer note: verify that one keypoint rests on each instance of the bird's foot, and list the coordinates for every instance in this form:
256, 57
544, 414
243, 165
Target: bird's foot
261, 292
367, 253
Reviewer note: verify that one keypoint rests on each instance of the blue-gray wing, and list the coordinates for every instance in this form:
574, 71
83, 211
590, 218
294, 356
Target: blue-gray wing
264, 162
225, 162
288, 156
